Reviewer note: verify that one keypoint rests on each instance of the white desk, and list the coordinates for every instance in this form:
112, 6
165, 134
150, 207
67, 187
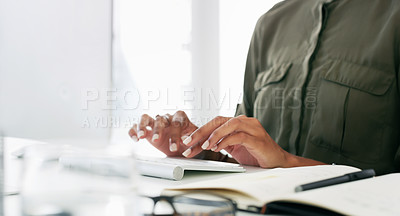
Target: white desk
145, 185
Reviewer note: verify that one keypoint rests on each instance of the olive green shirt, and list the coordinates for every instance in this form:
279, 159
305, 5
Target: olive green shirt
322, 77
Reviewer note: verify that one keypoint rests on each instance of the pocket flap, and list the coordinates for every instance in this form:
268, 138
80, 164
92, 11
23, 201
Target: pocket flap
271, 75
366, 79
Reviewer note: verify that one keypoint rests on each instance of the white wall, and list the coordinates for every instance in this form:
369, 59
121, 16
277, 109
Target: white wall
205, 52
237, 21
51, 52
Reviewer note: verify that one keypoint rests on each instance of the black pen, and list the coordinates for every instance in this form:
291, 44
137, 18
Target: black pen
368, 173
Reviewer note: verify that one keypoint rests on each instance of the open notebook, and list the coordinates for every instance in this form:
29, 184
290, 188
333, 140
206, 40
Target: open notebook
373, 196
174, 168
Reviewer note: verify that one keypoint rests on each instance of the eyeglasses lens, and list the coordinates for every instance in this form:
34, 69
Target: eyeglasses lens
203, 204
192, 204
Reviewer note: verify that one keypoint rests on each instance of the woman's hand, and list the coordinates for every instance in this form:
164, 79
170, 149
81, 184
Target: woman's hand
244, 138
166, 132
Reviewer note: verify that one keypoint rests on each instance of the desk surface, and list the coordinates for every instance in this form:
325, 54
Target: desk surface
145, 185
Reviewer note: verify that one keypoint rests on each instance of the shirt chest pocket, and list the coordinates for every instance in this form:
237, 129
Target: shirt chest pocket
350, 115
269, 89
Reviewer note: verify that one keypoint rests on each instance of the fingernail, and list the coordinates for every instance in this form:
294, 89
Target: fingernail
187, 152
184, 137
155, 137
205, 145
140, 133
134, 138
214, 148
187, 140
173, 147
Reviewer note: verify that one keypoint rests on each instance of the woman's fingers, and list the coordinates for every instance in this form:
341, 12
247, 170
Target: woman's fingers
243, 137
145, 121
179, 121
164, 132
195, 140
186, 132
240, 138
234, 125
133, 133
248, 142
187, 127
204, 132
160, 124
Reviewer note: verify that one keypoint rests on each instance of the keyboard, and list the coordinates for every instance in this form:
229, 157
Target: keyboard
174, 168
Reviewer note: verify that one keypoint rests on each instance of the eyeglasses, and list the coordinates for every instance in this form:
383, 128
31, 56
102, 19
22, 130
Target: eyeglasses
192, 203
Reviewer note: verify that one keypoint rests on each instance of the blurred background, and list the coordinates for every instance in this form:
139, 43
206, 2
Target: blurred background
88, 69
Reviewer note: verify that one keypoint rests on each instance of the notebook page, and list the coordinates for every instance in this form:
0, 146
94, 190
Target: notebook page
266, 185
373, 196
